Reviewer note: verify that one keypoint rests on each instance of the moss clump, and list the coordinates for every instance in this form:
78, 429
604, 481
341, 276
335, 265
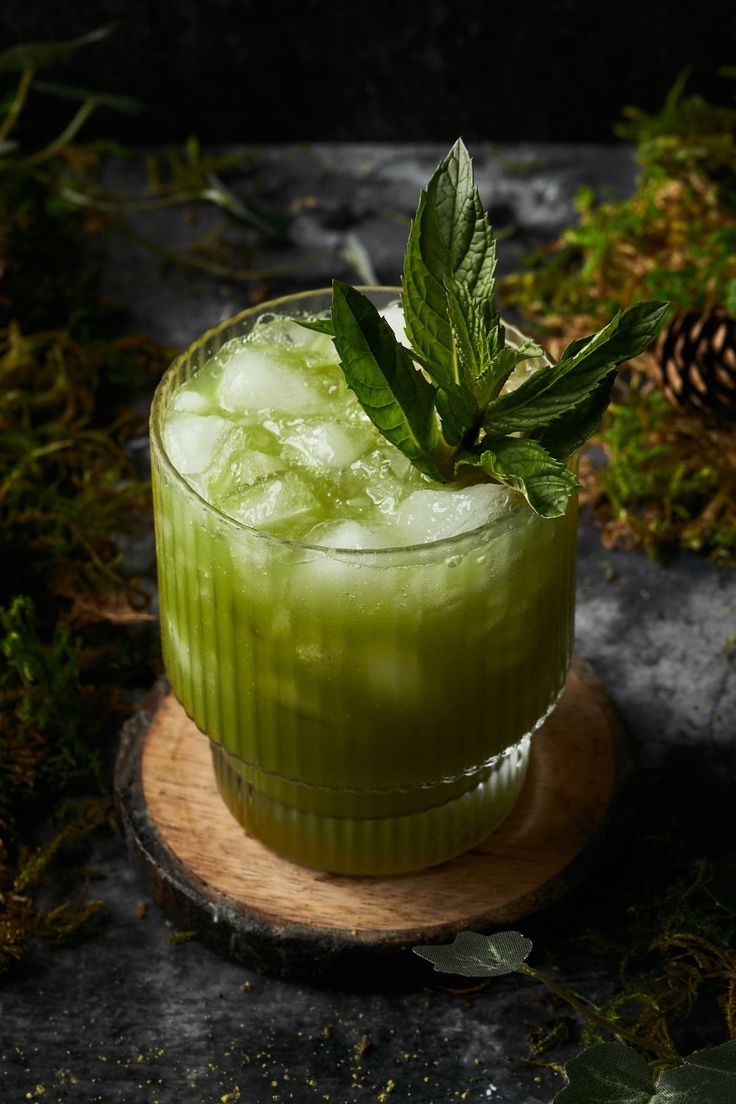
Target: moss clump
70, 497
670, 477
669, 480
674, 943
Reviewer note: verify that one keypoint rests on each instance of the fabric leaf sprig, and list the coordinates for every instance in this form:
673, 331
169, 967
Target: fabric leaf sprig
607, 1073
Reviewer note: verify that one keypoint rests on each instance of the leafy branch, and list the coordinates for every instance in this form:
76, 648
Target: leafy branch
607, 1073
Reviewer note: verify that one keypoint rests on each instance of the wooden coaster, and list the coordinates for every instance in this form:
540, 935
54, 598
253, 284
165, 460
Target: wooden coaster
274, 915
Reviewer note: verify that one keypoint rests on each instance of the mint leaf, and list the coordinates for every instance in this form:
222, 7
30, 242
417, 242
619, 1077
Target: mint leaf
576, 346
394, 394
524, 465
474, 955
476, 332
608, 1073
449, 237
500, 368
483, 363
551, 392
570, 431
458, 411
469, 328
321, 325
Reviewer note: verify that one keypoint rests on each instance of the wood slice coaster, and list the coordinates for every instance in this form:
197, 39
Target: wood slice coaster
276, 916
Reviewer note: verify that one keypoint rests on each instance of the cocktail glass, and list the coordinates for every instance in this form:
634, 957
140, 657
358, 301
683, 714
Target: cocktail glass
369, 711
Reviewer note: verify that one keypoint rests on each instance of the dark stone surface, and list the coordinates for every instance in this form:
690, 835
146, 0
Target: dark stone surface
128, 1017
350, 207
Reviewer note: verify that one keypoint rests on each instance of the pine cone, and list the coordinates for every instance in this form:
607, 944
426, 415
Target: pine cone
696, 363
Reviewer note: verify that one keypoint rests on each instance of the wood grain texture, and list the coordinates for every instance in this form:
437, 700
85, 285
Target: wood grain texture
275, 915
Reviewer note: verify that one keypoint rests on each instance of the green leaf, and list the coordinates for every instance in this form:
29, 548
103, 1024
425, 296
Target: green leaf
525, 466
571, 430
612, 1073
321, 325
125, 104
708, 1077
449, 237
475, 328
39, 55
482, 363
491, 381
629, 333
474, 955
551, 392
576, 346
458, 411
609, 1073
394, 394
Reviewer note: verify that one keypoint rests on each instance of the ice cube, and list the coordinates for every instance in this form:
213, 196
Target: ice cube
241, 468
323, 444
257, 378
194, 402
318, 348
385, 482
280, 504
432, 515
248, 466
192, 441
350, 534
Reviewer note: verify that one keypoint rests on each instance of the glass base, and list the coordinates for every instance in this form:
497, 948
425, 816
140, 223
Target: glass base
396, 831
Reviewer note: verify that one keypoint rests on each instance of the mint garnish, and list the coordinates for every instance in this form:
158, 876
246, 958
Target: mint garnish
395, 395
451, 414
526, 466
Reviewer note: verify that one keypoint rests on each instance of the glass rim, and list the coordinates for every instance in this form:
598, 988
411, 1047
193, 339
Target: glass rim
515, 508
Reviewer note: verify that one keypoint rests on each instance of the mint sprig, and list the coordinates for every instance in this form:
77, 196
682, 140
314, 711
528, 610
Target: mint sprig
441, 402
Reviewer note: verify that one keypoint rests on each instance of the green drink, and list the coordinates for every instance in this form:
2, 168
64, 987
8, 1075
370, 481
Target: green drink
366, 546
368, 650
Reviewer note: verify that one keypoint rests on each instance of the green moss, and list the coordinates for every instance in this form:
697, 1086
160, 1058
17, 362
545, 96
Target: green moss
670, 480
672, 239
673, 943
670, 477
22, 920
69, 496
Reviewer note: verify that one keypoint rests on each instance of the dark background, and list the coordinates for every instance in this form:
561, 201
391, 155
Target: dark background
246, 71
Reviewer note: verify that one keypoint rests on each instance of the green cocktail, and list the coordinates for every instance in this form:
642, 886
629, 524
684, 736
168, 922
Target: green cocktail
368, 650
366, 546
